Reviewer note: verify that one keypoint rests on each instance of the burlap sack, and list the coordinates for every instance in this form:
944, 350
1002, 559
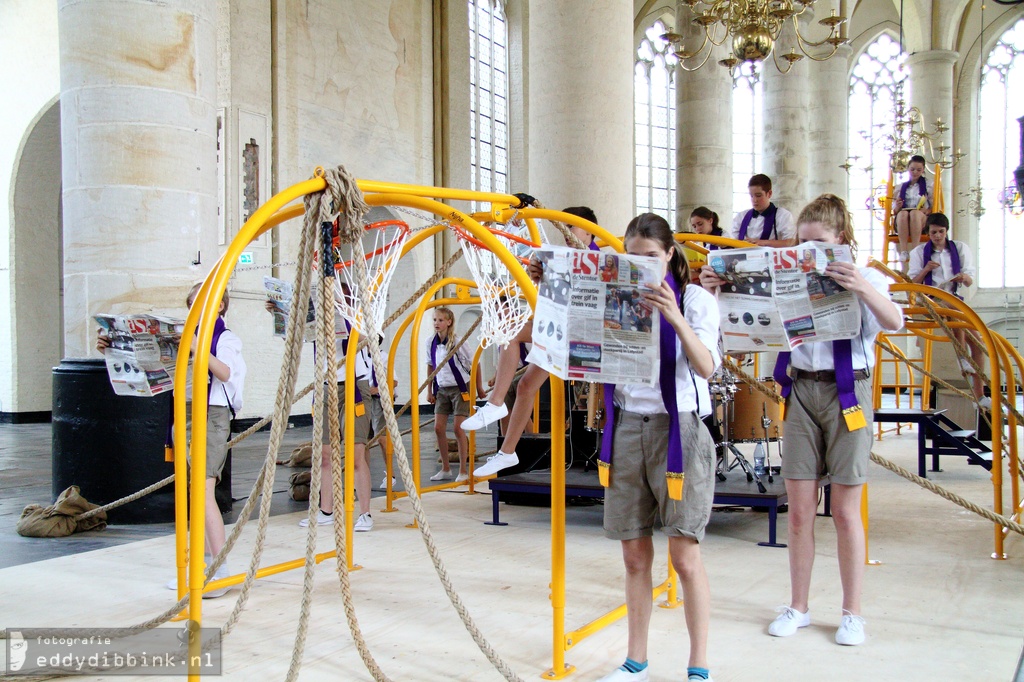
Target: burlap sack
298, 485
302, 456
58, 520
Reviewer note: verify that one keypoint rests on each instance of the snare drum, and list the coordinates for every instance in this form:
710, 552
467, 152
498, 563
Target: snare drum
749, 406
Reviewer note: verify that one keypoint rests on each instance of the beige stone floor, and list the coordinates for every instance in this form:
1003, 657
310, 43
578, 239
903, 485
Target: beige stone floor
937, 607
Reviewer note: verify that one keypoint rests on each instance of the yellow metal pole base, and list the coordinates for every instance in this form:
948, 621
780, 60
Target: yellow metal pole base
412, 525
180, 617
999, 557
552, 674
667, 604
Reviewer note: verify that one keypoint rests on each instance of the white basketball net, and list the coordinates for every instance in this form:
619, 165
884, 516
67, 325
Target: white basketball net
505, 310
383, 238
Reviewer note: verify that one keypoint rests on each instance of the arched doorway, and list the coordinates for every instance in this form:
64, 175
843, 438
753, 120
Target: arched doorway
37, 308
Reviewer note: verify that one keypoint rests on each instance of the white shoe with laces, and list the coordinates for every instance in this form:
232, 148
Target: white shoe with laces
363, 523
321, 520
620, 675
488, 414
788, 622
384, 483
851, 630
496, 463
443, 475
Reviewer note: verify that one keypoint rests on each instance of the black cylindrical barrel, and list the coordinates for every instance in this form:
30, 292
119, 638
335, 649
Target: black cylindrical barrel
109, 445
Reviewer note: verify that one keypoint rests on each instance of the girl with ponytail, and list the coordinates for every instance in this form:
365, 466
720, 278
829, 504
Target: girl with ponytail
657, 456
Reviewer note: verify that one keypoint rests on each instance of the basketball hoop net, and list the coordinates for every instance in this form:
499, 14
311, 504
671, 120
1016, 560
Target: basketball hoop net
505, 309
384, 235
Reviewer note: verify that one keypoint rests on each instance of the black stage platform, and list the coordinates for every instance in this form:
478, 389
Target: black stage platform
735, 491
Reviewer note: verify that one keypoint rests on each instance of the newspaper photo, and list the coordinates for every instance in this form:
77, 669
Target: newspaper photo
591, 322
142, 354
280, 294
778, 299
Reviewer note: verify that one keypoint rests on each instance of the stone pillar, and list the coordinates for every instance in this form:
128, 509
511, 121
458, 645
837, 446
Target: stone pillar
581, 107
931, 91
786, 127
829, 100
139, 145
704, 140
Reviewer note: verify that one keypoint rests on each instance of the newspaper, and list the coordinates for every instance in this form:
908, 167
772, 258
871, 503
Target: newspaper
280, 294
142, 354
778, 299
591, 322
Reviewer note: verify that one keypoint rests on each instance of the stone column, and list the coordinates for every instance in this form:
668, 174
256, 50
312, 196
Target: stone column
139, 145
704, 140
829, 100
786, 126
931, 91
581, 107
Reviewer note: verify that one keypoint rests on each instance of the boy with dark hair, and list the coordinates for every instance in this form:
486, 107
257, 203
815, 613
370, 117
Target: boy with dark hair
765, 224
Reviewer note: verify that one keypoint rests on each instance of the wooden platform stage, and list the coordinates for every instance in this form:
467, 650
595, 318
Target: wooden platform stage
734, 491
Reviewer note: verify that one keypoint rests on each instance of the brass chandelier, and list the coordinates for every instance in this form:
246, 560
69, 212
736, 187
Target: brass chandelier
909, 137
755, 27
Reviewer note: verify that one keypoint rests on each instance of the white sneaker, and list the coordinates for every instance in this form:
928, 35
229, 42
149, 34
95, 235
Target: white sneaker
384, 483
965, 365
222, 572
788, 621
443, 475
462, 478
985, 402
496, 463
488, 414
620, 675
321, 520
363, 523
851, 630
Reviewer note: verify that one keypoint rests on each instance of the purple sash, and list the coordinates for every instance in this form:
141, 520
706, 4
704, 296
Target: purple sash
676, 461
593, 244
954, 258
842, 355
451, 364
768, 230
922, 190
218, 328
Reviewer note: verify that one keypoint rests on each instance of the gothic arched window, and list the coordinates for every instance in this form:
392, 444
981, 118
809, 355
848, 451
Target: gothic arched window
488, 89
654, 96
747, 131
1001, 233
874, 83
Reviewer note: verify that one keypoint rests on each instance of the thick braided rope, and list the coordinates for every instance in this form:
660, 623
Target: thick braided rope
570, 238
407, 478
340, 529
947, 495
282, 405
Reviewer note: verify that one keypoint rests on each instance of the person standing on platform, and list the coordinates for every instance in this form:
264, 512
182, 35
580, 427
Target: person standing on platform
827, 392
765, 224
657, 457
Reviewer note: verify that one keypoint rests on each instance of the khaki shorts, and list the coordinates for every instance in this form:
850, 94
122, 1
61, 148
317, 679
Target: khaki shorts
449, 400
362, 425
375, 409
817, 442
638, 494
218, 433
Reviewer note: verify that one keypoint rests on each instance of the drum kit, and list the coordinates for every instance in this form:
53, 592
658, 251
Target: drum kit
740, 414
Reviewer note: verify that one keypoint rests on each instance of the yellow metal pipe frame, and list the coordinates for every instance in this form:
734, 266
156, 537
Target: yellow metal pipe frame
957, 309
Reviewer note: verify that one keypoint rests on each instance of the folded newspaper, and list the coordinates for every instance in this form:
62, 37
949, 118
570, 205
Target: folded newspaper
280, 294
778, 299
591, 322
143, 352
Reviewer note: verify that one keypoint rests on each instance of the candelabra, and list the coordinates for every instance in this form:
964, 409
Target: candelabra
909, 137
974, 206
755, 27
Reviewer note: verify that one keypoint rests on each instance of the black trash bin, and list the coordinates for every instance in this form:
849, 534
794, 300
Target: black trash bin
112, 446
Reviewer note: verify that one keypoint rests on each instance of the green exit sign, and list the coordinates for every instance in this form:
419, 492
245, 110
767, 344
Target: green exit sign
245, 258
